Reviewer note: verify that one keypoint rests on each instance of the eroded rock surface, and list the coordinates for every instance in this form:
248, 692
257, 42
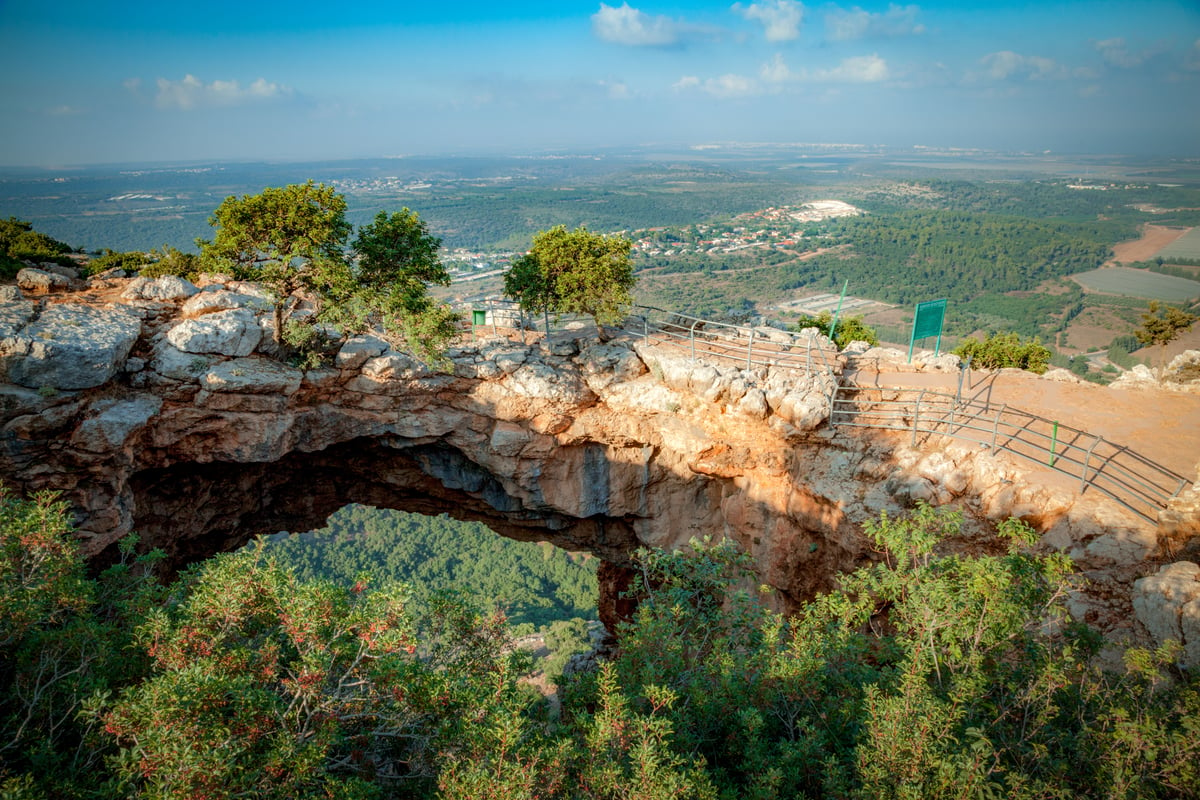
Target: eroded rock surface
165, 414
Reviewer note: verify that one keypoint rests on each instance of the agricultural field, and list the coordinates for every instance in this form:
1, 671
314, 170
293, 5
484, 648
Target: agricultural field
1186, 246
1139, 283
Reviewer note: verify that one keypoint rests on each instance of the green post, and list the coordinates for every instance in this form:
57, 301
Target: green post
838, 312
1053, 442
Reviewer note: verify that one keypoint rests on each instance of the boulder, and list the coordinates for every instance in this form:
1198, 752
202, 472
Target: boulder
15, 312
164, 288
1184, 368
221, 300
234, 332
1168, 604
253, 375
1140, 377
41, 281
355, 352
114, 422
69, 347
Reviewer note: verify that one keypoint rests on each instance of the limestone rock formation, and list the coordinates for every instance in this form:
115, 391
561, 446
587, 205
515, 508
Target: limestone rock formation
1168, 604
164, 412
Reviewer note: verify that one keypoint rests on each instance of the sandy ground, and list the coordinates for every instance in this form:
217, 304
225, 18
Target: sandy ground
1154, 238
1161, 425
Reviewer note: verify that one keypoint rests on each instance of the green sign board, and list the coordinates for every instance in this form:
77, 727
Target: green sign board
928, 322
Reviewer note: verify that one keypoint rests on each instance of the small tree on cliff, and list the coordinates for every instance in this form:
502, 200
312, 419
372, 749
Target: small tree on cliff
1161, 326
574, 272
291, 238
395, 259
294, 239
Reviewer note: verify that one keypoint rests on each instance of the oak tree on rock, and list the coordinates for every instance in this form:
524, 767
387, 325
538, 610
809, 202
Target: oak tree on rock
294, 240
291, 239
575, 272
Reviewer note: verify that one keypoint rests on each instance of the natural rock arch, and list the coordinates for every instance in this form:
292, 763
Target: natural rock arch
165, 426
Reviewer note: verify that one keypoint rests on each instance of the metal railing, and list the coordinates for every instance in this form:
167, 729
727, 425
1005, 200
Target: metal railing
747, 346
1136, 482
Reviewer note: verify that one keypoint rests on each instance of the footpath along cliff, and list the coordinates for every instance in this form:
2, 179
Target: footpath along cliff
159, 406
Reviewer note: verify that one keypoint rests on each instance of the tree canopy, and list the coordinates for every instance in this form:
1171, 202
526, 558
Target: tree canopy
1161, 325
574, 272
295, 240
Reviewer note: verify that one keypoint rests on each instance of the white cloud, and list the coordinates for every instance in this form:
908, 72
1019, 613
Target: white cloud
191, 93
626, 25
725, 86
775, 71
780, 18
1116, 53
859, 69
64, 111
731, 86
1007, 64
855, 23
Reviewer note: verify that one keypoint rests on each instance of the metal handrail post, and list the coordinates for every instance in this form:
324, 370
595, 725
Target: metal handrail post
750, 351
692, 338
996, 426
916, 416
1083, 479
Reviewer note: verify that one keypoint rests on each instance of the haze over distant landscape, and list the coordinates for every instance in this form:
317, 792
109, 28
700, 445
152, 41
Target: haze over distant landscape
100, 82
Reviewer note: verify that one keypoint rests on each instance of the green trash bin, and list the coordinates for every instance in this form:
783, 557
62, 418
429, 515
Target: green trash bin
478, 317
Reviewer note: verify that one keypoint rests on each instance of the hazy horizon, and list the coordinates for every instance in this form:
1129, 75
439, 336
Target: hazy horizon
98, 83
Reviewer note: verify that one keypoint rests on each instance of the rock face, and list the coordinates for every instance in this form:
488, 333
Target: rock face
165, 417
1168, 604
66, 347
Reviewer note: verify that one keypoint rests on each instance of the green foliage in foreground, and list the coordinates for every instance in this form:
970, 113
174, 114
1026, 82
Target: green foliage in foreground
930, 674
1005, 350
849, 329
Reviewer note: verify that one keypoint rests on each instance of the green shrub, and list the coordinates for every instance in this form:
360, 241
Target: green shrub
1005, 350
849, 329
19, 243
170, 261
131, 261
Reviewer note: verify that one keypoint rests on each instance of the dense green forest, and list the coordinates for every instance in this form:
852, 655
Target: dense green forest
534, 584
930, 673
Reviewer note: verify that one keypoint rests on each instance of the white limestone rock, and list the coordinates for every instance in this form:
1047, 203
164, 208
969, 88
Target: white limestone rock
41, 281
222, 300
69, 347
252, 375
165, 288
234, 332
1168, 604
355, 352
1140, 377
15, 311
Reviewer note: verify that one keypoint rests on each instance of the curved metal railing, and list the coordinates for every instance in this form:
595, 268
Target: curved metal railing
1136, 482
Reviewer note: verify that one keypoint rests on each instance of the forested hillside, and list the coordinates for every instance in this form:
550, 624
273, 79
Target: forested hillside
535, 584
931, 673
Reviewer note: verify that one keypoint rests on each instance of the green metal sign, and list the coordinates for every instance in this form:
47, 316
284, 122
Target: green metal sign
928, 322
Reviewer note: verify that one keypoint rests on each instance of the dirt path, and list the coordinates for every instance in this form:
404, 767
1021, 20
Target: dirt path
1162, 425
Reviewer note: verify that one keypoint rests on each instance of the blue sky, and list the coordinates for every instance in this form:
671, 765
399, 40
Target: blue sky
99, 82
